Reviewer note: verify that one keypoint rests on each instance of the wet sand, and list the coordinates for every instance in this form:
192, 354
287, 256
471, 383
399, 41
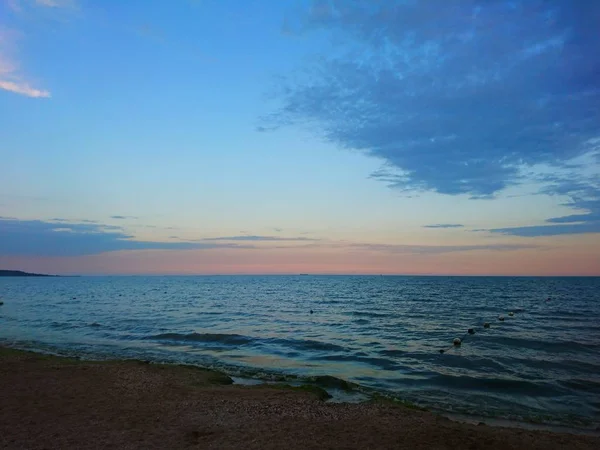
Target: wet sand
57, 403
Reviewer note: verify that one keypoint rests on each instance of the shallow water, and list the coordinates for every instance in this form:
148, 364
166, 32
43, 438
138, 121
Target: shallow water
383, 333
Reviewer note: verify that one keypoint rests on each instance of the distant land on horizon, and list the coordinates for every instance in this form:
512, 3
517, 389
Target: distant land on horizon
20, 273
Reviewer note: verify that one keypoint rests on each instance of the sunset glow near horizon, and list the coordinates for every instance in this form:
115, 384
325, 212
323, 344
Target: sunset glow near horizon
300, 136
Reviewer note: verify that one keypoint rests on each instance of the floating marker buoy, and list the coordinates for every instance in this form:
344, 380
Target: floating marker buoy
486, 325
511, 314
442, 351
457, 341
471, 331
501, 318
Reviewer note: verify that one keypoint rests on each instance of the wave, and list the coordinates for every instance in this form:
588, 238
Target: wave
381, 363
584, 385
368, 314
306, 344
551, 346
223, 338
64, 325
504, 385
361, 321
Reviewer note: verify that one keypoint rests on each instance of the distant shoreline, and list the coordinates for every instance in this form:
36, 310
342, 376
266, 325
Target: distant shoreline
20, 273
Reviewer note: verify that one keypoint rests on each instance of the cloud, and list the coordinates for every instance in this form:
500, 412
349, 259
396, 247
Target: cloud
56, 3
45, 238
11, 77
259, 238
438, 249
549, 230
584, 196
444, 225
455, 99
20, 87
123, 217
571, 224
19, 5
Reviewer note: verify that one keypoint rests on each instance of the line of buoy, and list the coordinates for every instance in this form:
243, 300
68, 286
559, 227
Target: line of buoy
457, 342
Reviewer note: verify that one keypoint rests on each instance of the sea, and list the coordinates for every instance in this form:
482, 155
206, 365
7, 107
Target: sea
387, 335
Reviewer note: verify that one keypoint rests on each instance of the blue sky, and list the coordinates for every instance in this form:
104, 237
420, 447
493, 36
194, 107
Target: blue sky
323, 135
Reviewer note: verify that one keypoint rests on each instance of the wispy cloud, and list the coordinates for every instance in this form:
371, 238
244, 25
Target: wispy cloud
11, 77
20, 5
549, 230
54, 238
444, 225
438, 249
21, 87
56, 3
584, 195
407, 249
260, 238
455, 100
123, 217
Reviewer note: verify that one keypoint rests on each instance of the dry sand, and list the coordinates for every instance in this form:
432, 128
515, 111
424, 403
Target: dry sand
57, 403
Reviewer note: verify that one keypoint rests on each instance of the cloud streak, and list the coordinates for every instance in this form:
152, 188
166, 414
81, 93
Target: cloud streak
455, 99
444, 225
11, 76
41, 238
123, 217
260, 238
439, 249
55, 3
584, 194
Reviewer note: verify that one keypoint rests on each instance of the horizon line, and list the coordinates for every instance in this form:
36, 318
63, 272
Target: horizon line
320, 274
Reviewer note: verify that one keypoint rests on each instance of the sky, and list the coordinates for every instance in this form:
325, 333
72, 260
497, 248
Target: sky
300, 136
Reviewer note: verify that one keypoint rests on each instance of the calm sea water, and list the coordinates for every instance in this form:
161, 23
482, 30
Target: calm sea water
383, 333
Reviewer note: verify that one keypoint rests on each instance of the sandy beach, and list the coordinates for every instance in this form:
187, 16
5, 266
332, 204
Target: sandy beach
51, 402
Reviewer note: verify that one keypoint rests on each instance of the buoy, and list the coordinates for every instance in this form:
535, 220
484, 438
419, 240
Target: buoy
442, 351
486, 325
311, 311
511, 314
1, 303
457, 341
501, 318
471, 331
